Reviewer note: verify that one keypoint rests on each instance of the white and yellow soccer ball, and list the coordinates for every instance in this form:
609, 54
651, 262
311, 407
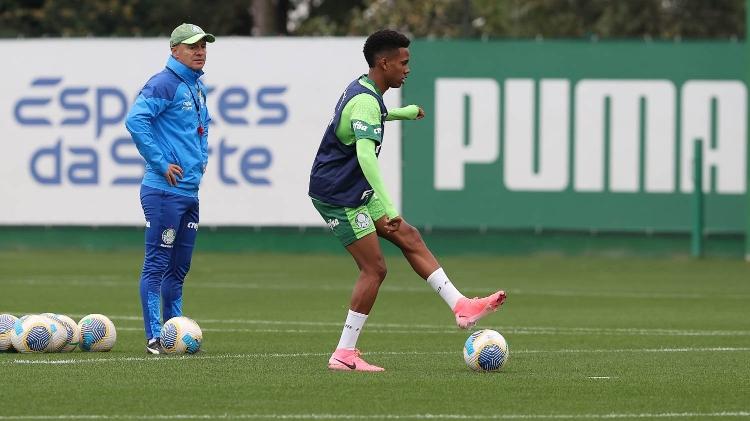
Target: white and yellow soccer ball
34, 333
97, 332
59, 333
73, 334
486, 350
6, 327
181, 335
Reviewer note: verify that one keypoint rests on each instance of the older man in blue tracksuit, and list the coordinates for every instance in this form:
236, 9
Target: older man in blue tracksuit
169, 125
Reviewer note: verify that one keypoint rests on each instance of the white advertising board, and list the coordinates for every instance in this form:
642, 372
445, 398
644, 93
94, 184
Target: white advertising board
68, 160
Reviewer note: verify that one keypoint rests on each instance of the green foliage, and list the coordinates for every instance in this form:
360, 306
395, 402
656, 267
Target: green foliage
551, 18
104, 18
667, 19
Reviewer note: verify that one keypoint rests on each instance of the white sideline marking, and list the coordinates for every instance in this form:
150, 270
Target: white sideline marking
23, 361
346, 285
423, 328
508, 330
600, 377
411, 329
386, 416
626, 350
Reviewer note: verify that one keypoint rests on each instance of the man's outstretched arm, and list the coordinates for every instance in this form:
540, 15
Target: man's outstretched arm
410, 112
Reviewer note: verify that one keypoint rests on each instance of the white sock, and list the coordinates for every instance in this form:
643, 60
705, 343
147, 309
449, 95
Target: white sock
352, 328
442, 285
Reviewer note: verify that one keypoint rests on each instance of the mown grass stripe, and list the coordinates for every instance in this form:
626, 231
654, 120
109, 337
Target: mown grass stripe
655, 415
107, 282
430, 328
204, 356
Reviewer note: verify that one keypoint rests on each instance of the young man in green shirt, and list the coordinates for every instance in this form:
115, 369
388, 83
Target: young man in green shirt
347, 189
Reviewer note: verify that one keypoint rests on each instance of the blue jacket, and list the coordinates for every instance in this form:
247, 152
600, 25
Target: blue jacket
169, 125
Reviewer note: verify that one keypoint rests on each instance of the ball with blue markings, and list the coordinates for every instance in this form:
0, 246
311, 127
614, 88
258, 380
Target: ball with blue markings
34, 333
97, 332
486, 350
181, 335
72, 333
6, 327
59, 333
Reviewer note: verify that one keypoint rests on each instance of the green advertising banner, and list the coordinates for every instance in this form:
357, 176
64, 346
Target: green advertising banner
575, 135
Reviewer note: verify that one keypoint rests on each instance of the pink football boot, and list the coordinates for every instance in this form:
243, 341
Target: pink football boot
349, 360
469, 310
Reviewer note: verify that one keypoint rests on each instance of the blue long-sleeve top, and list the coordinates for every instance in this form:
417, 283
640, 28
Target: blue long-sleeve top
169, 125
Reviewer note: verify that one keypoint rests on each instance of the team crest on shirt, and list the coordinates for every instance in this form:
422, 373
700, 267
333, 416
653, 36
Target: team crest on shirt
168, 236
362, 220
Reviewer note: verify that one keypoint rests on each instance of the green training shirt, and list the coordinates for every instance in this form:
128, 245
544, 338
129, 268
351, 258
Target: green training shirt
360, 120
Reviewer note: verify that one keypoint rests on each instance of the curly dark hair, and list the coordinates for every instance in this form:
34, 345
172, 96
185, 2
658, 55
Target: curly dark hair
382, 41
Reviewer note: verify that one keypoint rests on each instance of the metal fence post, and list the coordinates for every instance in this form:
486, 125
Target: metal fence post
696, 243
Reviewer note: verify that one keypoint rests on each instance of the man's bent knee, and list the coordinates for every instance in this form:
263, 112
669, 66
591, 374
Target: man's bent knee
409, 238
376, 272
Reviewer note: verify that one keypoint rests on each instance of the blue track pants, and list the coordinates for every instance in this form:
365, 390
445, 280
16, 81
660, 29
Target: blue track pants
171, 229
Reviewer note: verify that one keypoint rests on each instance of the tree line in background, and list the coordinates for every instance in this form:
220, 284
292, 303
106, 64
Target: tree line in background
590, 19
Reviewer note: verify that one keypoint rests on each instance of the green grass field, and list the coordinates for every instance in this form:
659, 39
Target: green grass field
590, 338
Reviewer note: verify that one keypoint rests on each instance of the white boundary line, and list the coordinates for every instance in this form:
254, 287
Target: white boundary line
346, 285
412, 329
203, 356
509, 330
724, 414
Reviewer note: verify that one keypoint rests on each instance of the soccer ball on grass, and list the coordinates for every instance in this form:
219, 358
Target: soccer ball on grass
34, 333
73, 334
98, 333
59, 332
486, 350
181, 335
6, 327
